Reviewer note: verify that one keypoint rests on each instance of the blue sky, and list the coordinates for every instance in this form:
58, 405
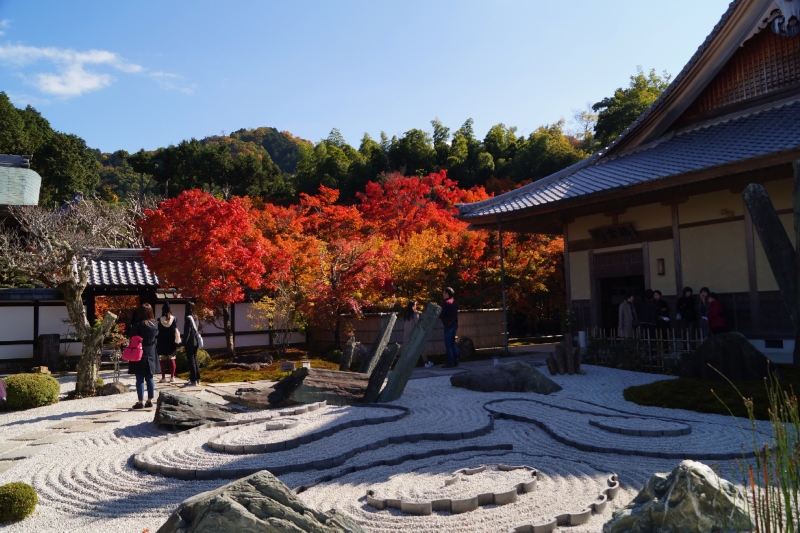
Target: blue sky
147, 74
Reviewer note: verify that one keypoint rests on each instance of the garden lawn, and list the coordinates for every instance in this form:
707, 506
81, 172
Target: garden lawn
696, 395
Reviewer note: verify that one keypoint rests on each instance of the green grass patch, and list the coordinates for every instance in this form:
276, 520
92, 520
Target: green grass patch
695, 395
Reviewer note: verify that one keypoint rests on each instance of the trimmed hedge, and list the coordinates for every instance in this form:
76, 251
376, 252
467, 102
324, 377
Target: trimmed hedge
26, 391
17, 501
182, 364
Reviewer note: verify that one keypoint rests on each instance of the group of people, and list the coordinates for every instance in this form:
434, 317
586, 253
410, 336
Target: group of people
160, 342
449, 318
703, 313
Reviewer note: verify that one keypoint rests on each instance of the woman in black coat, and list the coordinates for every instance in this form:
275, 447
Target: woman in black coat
148, 366
191, 344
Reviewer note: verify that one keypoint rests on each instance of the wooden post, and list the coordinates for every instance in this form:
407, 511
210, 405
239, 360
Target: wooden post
503, 281
369, 362
593, 300
567, 280
796, 205
347, 355
410, 354
378, 376
646, 263
676, 250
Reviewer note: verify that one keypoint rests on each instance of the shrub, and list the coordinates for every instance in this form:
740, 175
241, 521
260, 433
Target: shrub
25, 391
99, 383
17, 501
182, 364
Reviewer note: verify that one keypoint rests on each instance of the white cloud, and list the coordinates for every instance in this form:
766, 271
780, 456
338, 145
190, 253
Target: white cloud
4, 25
76, 73
170, 81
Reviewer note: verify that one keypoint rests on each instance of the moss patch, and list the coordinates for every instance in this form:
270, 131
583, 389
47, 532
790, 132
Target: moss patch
213, 372
695, 395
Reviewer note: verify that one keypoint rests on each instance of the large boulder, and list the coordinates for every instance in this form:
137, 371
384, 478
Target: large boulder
182, 411
514, 376
692, 498
257, 503
466, 348
733, 355
311, 385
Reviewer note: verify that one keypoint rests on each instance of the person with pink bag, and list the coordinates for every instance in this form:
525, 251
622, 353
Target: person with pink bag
145, 327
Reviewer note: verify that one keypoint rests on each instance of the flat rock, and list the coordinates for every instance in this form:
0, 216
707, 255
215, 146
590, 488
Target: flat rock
52, 439
34, 435
251, 397
67, 424
183, 411
5, 466
514, 376
114, 388
311, 385
691, 498
259, 502
21, 453
6, 446
82, 428
731, 354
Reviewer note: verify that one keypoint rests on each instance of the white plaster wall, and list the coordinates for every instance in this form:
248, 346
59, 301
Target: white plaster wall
16, 324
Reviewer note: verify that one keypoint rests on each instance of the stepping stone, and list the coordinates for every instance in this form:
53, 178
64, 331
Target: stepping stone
50, 440
83, 428
66, 424
119, 417
20, 453
35, 435
6, 446
7, 465
96, 416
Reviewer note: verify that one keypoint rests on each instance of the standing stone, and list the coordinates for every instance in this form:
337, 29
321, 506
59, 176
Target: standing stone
466, 348
259, 502
182, 411
347, 356
692, 498
411, 353
378, 376
311, 385
369, 362
47, 350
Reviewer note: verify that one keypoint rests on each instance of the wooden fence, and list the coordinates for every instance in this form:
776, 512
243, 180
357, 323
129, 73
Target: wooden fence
656, 350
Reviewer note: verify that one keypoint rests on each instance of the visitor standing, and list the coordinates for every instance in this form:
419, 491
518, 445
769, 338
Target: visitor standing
191, 343
686, 315
716, 320
410, 319
703, 308
648, 314
167, 343
627, 317
147, 366
450, 322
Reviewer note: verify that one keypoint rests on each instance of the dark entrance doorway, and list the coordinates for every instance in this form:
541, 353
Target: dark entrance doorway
612, 293
616, 273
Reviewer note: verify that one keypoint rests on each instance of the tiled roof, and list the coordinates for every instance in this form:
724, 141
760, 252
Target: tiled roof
121, 268
757, 132
19, 186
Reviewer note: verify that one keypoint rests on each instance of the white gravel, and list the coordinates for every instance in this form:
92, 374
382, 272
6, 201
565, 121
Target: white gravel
87, 482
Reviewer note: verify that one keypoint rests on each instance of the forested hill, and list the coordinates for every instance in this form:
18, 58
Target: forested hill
271, 164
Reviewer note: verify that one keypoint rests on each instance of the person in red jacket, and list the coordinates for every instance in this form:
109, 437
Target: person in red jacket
716, 322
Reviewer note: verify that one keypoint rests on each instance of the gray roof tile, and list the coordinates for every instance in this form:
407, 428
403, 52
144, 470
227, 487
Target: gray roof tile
121, 268
768, 129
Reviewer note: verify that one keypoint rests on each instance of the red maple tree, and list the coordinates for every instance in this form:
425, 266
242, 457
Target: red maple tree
208, 248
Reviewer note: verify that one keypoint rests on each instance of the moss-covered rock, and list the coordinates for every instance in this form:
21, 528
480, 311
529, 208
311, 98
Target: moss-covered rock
17, 501
26, 391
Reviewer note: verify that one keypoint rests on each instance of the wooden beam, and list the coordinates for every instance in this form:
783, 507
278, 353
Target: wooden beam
676, 249
646, 264
650, 235
592, 292
567, 279
675, 201
752, 274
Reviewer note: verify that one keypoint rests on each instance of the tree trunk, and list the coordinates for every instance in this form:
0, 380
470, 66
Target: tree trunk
86, 382
228, 327
337, 343
796, 204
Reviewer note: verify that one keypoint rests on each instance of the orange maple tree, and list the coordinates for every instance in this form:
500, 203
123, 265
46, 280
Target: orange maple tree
208, 248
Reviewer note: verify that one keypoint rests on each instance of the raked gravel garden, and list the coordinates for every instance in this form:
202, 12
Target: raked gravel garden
78, 455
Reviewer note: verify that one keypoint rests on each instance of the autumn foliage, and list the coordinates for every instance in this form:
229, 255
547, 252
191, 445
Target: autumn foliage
399, 241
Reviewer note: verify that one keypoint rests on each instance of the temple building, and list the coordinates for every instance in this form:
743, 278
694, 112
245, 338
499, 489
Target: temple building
661, 206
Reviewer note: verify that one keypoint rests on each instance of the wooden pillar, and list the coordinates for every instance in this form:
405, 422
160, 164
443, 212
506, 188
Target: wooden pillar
752, 275
91, 312
567, 280
593, 299
646, 263
676, 248
35, 320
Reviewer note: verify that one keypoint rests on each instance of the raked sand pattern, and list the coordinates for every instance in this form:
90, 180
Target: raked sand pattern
86, 479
